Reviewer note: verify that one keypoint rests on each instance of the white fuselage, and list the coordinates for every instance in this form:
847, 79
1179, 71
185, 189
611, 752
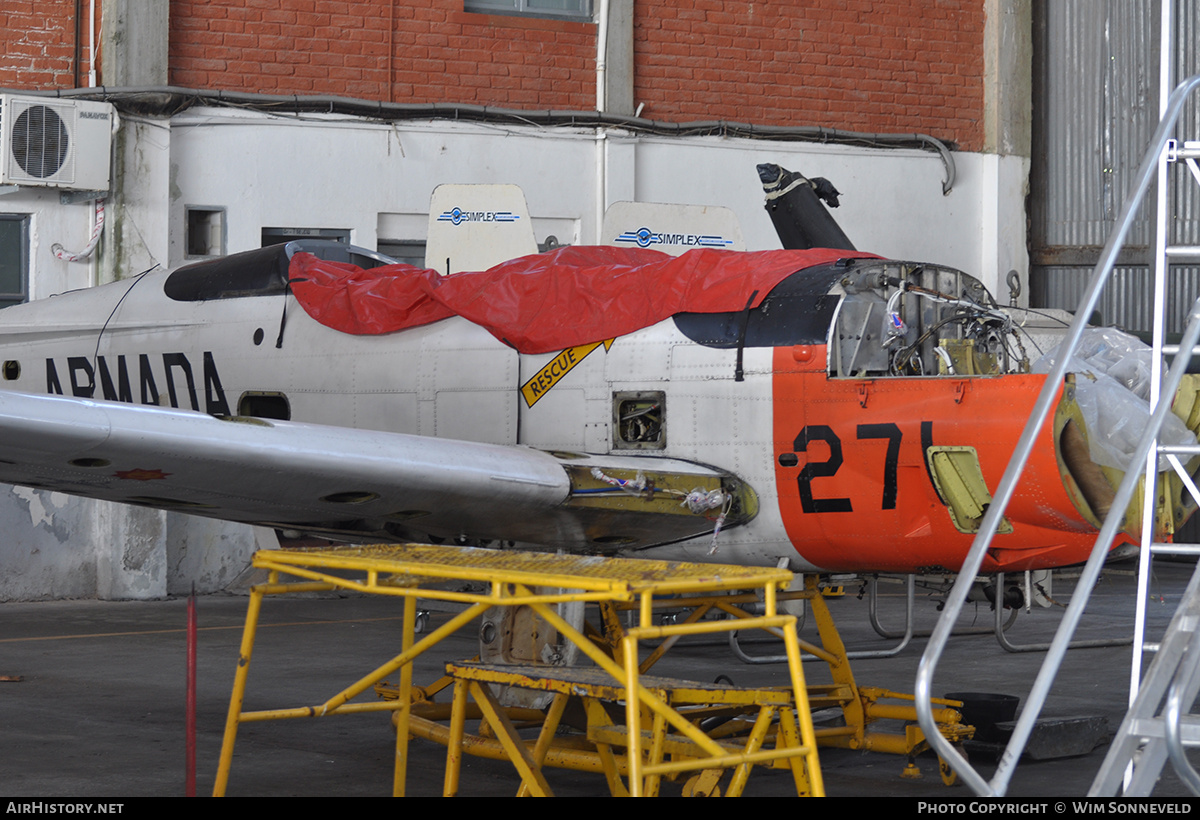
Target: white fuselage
451, 379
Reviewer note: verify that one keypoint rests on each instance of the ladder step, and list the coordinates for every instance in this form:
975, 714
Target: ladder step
1183, 250
1179, 449
1154, 729
1174, 549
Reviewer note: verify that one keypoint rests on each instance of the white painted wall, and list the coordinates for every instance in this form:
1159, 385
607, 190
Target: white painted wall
50, 223
339, 173
331, 172
136, 230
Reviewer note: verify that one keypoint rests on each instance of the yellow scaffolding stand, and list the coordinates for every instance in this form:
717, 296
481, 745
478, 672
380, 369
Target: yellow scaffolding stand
541, 581
772, 711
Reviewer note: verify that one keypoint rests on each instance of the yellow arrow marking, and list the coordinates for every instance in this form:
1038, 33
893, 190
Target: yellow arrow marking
555, 369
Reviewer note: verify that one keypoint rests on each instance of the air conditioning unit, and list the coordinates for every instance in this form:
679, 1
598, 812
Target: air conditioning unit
55, 143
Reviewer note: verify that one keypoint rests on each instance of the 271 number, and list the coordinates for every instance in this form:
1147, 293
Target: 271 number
829, 467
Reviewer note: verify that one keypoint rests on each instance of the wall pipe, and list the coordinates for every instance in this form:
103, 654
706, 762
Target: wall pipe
168, 100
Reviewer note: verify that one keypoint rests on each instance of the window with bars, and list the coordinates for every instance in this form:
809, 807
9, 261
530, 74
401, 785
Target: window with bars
556, 9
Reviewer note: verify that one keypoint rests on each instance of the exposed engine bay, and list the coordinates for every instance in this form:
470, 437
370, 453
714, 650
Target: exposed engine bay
911, 319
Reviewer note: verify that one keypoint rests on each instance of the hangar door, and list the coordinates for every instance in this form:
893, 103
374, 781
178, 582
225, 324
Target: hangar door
1095, 107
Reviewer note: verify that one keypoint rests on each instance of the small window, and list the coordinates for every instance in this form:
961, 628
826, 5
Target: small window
205, 231
14, 259
408, 251
558, 9
278, 236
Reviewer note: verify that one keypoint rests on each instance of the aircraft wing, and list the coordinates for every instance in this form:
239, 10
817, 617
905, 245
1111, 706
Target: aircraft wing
359, 484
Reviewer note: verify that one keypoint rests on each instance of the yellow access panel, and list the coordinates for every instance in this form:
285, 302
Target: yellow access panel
959, 480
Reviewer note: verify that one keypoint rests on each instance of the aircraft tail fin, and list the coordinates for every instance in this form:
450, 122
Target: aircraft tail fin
673, 229
474, 227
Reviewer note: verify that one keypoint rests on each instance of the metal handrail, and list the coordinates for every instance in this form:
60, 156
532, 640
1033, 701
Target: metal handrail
851, 655
1009, 646
1182, 692
991, 521
872, 613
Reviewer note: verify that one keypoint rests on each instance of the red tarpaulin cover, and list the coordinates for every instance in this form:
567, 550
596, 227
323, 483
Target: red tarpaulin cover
549, 301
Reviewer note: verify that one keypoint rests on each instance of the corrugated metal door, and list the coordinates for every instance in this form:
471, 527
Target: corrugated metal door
1095, 90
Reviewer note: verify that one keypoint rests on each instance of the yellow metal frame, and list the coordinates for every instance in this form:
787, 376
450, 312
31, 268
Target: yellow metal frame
541, 581
861, 706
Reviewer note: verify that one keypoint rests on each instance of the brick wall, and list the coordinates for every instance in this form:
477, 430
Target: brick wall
861, 65
866, 65
431, 51
37, 44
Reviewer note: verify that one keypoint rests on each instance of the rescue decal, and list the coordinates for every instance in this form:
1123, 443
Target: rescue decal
556, 368
115, 384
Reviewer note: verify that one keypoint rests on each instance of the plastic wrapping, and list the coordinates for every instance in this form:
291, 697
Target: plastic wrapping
549, 301
1112, 387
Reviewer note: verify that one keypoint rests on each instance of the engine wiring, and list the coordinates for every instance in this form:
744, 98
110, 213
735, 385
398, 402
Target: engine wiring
698, 501
991, 328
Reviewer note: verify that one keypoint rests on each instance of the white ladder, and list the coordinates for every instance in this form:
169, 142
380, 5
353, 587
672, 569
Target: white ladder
1154, 729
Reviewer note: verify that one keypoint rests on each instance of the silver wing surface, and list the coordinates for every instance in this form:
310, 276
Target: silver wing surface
358, 484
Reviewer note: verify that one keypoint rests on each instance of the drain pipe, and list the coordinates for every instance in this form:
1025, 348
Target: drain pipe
601, 104
92, 45
601, 56
601, 182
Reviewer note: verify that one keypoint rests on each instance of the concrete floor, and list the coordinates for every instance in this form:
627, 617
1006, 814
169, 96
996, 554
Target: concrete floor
99, 711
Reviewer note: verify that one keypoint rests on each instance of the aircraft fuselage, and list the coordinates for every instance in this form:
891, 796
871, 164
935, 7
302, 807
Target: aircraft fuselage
840, 464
